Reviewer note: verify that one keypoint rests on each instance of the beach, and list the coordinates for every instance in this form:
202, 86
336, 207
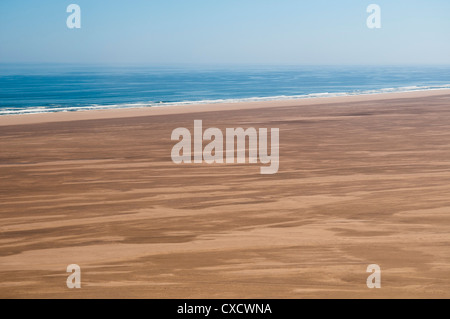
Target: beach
362, 180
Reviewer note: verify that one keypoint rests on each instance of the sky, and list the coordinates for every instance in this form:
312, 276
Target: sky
302, 32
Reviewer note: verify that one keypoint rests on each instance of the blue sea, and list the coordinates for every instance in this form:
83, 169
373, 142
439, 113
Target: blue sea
29, 88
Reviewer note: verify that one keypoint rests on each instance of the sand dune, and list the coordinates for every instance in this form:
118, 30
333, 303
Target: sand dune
362, 180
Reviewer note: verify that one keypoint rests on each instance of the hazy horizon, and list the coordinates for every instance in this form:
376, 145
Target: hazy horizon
235, 32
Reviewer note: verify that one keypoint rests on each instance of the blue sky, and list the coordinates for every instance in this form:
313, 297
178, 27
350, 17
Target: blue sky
228, 31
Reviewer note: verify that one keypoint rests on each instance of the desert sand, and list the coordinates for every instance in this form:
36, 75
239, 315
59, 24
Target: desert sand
363, 180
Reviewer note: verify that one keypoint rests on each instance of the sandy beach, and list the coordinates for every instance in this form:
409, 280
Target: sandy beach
362, 180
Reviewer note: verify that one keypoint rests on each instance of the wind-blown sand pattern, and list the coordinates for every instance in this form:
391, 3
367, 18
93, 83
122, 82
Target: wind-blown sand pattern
362, 180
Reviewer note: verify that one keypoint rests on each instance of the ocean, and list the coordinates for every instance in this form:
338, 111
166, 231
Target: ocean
26, 89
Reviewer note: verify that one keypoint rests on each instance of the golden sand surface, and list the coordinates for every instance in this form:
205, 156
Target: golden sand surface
362, 180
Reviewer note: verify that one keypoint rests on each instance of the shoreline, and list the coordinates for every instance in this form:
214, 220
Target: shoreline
81, 115
359, 183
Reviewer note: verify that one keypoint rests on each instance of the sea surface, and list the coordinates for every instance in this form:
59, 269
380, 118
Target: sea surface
41, 88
